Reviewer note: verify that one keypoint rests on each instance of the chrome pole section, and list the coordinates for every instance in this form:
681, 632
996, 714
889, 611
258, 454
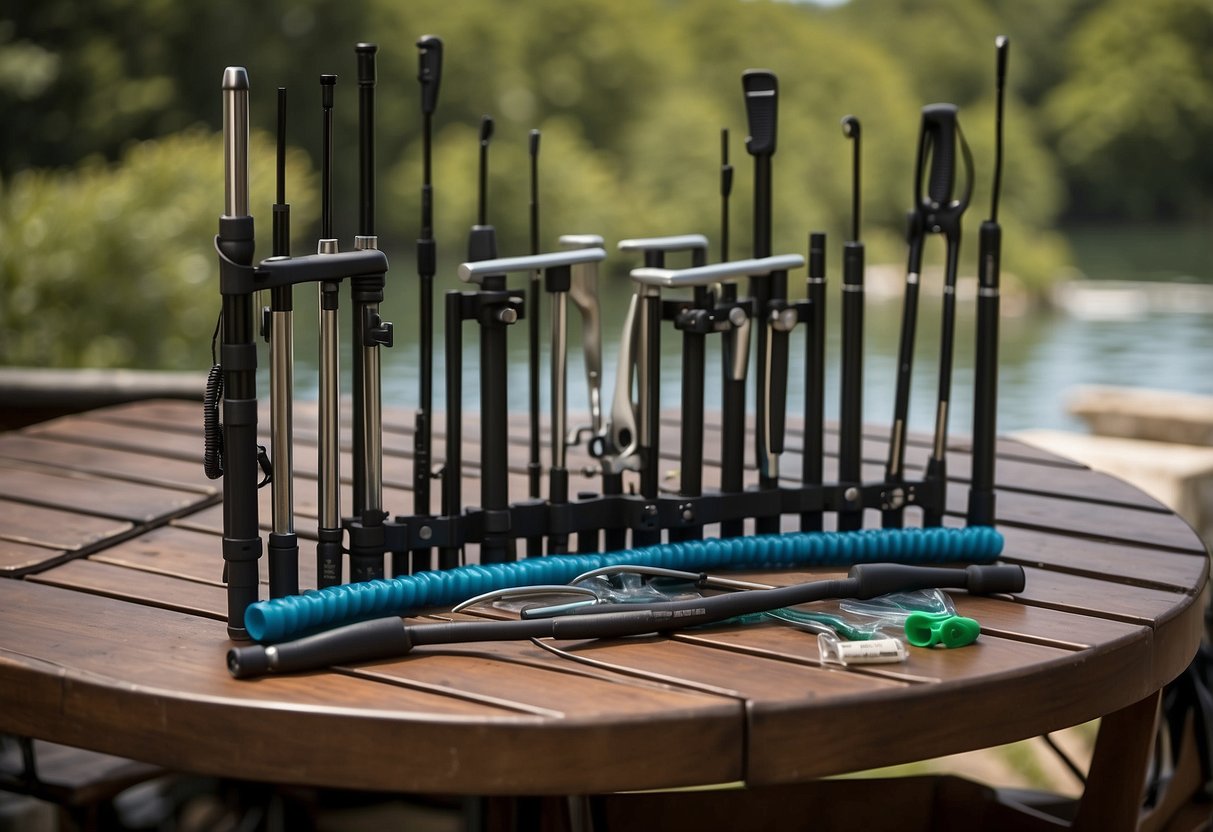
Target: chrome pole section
283, 543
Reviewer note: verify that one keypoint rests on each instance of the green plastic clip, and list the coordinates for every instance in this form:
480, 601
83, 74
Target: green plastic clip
924, 629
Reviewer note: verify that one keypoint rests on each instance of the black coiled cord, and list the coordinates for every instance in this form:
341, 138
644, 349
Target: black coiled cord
212, 429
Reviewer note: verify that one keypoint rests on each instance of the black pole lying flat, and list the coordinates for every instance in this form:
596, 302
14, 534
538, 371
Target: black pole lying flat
283, 544
985, 372
384, 638
534, 545
370, 334
328, 533
811, 469
235, 242
429, 75
761, 99
850, 418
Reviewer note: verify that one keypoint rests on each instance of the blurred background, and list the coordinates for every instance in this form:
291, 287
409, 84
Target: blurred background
111, 165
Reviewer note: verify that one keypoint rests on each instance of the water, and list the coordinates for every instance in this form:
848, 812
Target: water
1043, 355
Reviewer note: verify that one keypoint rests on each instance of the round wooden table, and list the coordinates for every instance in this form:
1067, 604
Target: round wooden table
112, 638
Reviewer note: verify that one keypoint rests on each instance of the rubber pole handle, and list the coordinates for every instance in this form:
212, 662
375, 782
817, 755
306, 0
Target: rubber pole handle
939, 135
874, 579
429, 71
380, 638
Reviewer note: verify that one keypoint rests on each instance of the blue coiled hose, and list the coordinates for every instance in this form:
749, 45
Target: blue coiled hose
280, 619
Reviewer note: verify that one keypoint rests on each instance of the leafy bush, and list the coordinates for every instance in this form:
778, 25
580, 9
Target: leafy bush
110, 265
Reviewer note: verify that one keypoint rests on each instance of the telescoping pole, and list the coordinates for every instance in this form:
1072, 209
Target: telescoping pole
371, 333
283, 542
850, 416
985, 373
328, 532
241, 533
429, 74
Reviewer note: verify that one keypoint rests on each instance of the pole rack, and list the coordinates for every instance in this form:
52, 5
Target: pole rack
633, 506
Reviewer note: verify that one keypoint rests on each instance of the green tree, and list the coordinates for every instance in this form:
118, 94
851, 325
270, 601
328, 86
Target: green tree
108, 265
1133, 119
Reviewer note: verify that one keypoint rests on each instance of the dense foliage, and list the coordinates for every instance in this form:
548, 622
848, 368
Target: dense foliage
109, 160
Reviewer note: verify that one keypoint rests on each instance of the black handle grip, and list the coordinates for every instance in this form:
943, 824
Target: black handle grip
873, 579
365, 55
429, 71
380, 638
939, 140
761, 109
327, 82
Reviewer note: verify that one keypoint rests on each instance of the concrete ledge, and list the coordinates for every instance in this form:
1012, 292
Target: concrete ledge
1142, 413
1180, 476
32, 394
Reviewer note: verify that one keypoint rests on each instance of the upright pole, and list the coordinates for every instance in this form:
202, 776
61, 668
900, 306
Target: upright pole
370, 333
429, 75
241, 533
283, 545
329, 535
850, 417
985, 375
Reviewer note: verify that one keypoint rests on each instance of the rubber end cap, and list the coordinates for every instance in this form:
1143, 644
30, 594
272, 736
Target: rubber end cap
247, 662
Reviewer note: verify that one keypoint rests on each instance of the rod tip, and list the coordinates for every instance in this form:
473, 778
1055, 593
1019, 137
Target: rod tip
850, 127
486, 129
235, 78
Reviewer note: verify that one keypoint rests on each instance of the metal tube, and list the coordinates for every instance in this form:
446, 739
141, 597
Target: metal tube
235, 141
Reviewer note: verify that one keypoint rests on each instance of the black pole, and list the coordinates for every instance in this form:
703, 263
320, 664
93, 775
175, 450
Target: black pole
985, 374
452, 472
935, 211
850, 420
482, 239
694, 347
328, 532
814, 377
241, 533
283, 544
429, 75
534, 545
370, 334
761, 100
947, 216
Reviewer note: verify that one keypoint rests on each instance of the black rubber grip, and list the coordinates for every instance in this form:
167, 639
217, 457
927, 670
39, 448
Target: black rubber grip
365, 56
939, 138
873, 579
380, 638
761, 109
429, 71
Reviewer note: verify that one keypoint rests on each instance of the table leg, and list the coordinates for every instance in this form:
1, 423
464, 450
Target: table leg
1116, 779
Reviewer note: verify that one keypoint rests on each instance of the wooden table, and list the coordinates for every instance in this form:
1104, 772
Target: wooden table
112, 638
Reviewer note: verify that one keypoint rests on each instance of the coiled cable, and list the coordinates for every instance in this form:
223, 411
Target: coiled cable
280, 619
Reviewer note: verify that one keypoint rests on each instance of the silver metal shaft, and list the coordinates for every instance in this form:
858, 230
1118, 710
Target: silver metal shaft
282, 392
329, 468
372, 422
235, 135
